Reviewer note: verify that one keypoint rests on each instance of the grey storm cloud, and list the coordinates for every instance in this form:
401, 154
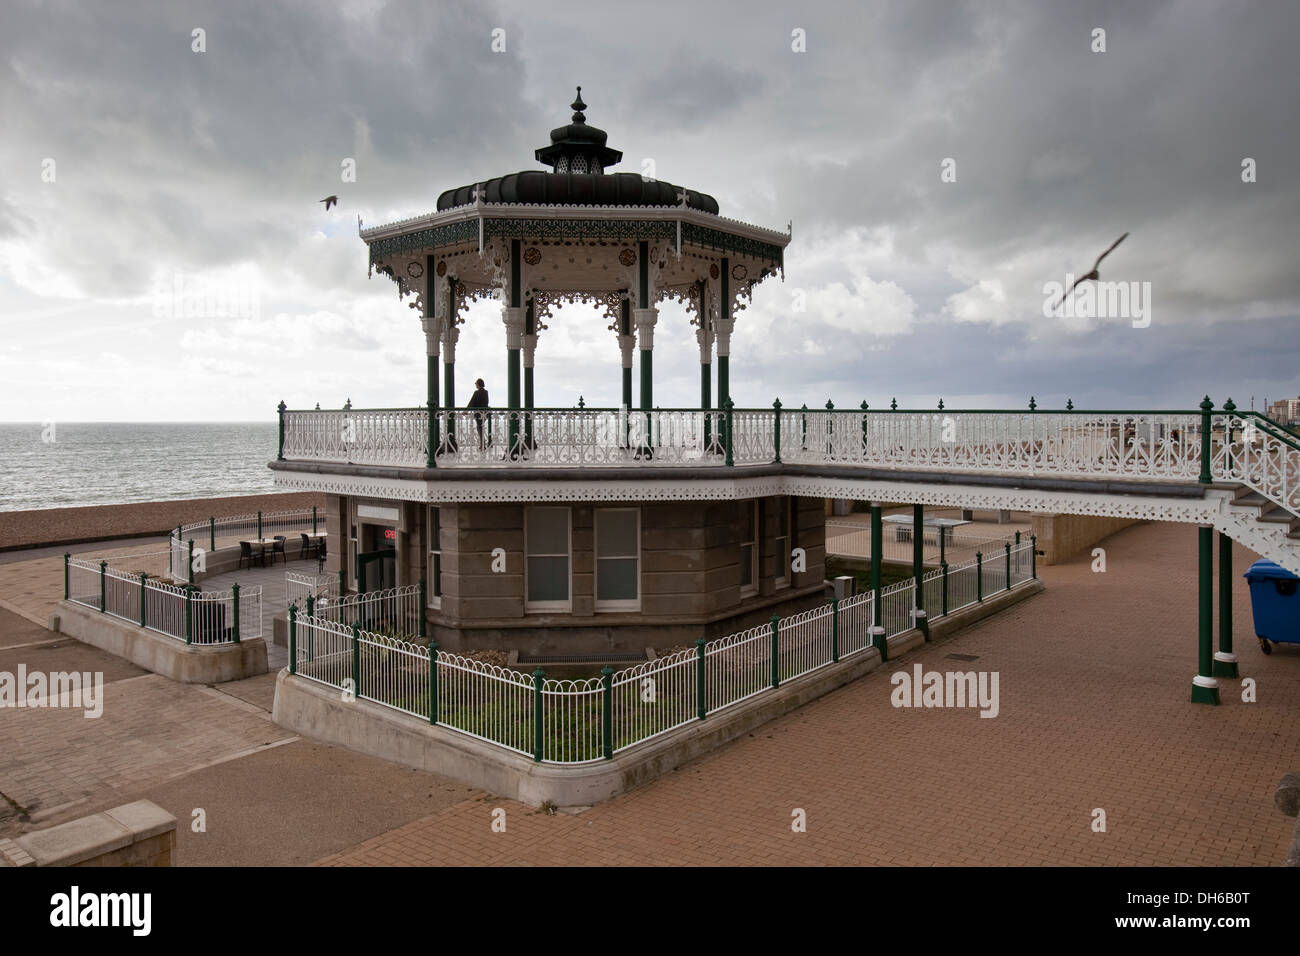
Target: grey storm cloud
168, 159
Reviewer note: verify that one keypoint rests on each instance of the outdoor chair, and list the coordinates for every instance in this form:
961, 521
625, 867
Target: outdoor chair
278, 548
246, 553
308, 548
320, 555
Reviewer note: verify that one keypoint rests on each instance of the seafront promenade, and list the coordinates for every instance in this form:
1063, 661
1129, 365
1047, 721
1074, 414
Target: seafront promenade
1094, 714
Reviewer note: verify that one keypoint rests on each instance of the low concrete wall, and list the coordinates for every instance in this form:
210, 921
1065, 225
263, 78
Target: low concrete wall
135, 834
314, 710
184, 663
1061, 537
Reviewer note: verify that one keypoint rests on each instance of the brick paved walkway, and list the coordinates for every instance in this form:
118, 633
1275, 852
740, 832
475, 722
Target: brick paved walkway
151, 729
1095, 680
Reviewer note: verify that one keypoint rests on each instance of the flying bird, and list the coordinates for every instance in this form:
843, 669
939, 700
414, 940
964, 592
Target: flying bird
1094, 274
334, 201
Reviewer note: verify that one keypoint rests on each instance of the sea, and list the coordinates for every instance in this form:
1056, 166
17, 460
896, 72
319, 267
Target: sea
69, 464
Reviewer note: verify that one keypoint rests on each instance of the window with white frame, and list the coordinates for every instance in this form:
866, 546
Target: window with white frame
618, 559
749, 549
547, 542
782, 541
434, 586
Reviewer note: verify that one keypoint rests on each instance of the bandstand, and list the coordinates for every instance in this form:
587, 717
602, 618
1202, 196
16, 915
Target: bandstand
598, 532
565, 532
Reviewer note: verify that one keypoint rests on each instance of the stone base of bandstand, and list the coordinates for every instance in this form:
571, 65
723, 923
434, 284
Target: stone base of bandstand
321, 712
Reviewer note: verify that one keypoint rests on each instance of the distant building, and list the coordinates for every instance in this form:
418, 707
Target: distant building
1286, 411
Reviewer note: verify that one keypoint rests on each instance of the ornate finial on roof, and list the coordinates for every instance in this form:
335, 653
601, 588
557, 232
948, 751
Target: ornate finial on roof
578, 106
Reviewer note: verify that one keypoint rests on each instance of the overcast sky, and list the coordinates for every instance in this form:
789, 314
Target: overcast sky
205, 168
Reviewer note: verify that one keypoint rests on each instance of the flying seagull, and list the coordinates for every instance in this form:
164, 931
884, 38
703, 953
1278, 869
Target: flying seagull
1094, 274
334, 201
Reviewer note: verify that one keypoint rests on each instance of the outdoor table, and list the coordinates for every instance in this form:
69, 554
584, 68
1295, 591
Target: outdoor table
259, 545
903, 526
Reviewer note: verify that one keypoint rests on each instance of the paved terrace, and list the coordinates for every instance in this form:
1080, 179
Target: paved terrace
1094, 689
1095, 712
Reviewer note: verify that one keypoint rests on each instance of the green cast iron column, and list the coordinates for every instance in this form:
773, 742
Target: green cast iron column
1205, 689
431, 402
449, 367
724, 314
878, 637
706, 365
512, 355
431, 364
539, 679
530, 328
234, 602
624, 330
918, 565
1225, 662
607, 710
701, 686
1206, 405
280, 411
433, 682
646, 354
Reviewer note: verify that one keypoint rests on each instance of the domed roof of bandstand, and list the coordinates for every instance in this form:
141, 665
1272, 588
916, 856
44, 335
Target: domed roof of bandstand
578, 158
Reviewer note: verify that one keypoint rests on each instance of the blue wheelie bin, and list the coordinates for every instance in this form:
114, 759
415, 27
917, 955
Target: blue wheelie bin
1275, 603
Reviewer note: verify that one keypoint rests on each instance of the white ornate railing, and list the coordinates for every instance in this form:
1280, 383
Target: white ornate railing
1164, 445
182, 612
299, 585
396, 610
580, 721
1075, 444
1238, 448
1261, 454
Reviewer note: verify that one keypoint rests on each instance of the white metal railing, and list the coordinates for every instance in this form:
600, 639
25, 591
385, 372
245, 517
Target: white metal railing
394, 673
737, 667
1078, 444
855, 622
1261, 454
571, 716
395, 610
580, 721
322, 652
1244, 448
587, 437
653, 698
491, 703
896, 604
182, 612
804, 641
1083, 444
299, 585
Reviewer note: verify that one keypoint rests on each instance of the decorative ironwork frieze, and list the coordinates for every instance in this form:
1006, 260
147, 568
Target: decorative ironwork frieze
727, 242
448, 234
609, 229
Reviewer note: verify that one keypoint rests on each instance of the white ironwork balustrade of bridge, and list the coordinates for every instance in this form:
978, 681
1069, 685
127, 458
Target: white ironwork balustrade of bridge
1245, 448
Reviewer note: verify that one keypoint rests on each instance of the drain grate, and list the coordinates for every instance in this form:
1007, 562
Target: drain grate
961, 657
